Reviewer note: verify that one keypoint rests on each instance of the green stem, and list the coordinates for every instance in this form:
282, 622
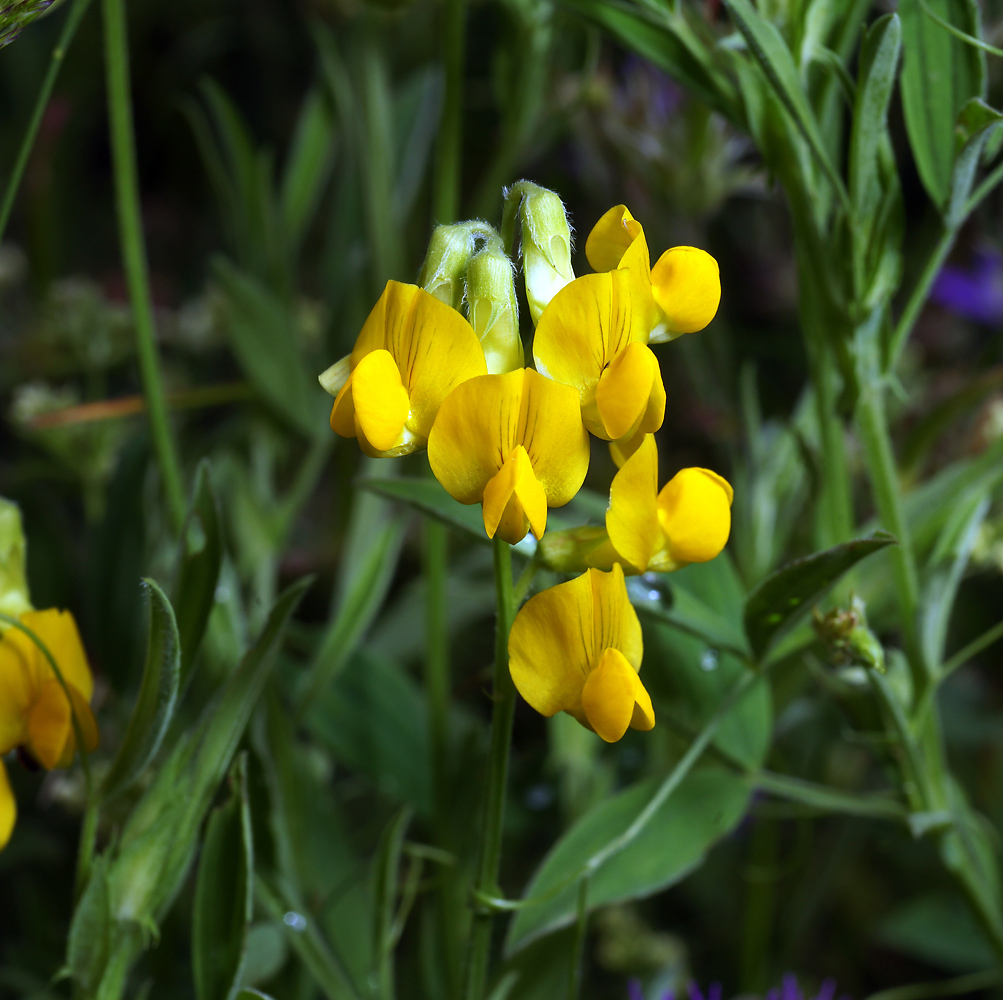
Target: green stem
489, 860
578, 946
446, 197
887, 496
134, 260
918, 297
437, 680
70, 25
975, 647
88, 840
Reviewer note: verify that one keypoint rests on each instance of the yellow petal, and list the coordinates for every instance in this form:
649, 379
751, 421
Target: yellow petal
608, 696
614, 619
58, 630
610, 238
343, 412
694, 510
485, 418
644, 713
632, 517
380, 400
514, 500
686, 284
629, 390
621, 450
8, 807
550, 646
50, 729
433, 347
19, 679
587, 324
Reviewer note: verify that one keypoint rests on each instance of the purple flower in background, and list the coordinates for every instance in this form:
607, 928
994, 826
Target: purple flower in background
789, 990
974, 292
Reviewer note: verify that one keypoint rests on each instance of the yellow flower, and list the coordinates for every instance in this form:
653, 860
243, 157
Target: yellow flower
513, 442
688, 521
577, 648
35, 713
683, 289
412, 351
593, 336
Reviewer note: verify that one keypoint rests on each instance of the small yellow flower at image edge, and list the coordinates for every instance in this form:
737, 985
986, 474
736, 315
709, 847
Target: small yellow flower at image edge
35, 713
577, 648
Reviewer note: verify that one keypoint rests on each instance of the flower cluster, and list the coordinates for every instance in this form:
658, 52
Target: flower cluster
42, 712
441, 367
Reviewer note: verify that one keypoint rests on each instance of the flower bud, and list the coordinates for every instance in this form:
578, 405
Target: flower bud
446, 260
14, 599
546, 244
494, 313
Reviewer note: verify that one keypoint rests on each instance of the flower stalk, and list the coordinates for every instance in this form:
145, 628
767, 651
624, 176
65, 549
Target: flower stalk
123, 146
489, 859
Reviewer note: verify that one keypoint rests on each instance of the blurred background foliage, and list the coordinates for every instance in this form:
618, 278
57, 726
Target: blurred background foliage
285, 153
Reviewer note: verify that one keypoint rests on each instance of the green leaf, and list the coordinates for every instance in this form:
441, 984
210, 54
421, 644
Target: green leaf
706, 805
89, 944
385, 872
879, 56
775, 60
375, 544
308, 167
976, 123
198, 574
264, 337
159, 839
667, 41
224, 900
775, 605
157, 697
427, 496
939, 75
374, 720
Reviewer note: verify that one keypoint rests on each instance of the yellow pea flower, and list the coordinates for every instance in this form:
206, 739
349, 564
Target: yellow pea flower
683, 289
593, 336
577, 648
687, 521
412, 351
35, 713
514, 443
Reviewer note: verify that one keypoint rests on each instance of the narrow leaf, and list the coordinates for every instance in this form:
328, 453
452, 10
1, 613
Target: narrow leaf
308, 167
157, 697
224, 894
706, 805
89, 943
775, 605
198, 574
976, 123
939, 75
428, 497
263, 335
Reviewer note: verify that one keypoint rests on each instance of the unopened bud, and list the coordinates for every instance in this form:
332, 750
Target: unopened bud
494, 312
449, 252
849, 639
14, 599
546, 243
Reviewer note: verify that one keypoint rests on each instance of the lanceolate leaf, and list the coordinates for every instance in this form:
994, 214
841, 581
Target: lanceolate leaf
198, 574
224, 894
157, 697
781, 598
706, 805
976, 122
427, 496
939, 75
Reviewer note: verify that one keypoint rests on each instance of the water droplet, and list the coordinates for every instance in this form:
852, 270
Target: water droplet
295, 921
653, 595
709, 660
